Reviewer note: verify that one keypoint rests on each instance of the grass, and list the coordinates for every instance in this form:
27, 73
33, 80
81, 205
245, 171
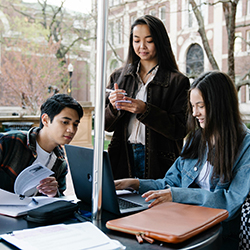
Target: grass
106, 143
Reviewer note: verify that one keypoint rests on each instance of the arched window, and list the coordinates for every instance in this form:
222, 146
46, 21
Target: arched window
195, 60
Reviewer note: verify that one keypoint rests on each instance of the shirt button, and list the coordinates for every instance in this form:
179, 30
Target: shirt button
195, 169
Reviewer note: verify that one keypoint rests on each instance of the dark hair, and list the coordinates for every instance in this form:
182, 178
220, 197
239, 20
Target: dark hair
55, 104
161, 40
223, 130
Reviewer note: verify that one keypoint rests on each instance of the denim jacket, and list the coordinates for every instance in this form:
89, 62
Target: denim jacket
230, 195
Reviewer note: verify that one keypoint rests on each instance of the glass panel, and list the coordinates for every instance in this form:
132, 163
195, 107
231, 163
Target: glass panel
162, 14
248, 40
238, 42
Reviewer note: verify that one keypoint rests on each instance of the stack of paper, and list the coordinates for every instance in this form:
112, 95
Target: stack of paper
75, 236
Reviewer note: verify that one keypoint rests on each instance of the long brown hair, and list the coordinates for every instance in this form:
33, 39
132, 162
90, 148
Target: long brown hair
223, 131
165, 55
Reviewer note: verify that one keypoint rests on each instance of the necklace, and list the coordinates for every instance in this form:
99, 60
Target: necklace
150, 71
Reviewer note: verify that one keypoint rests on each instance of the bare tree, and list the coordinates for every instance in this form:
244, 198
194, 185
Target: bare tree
59, 24
229, 10
28, 72
202, 33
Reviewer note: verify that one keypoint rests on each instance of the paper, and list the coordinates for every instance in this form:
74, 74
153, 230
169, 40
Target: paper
27, 181
123, 191
8, 198
75, 236
18, 210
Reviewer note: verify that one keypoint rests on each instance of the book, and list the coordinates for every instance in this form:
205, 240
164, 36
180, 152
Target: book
27, 181
75, 236
8, 198
19, 203
19, 208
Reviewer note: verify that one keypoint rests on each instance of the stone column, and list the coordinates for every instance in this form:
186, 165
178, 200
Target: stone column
83, 136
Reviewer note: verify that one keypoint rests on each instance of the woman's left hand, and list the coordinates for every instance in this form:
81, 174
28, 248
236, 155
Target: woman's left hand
159, 196
48, 186
136, 106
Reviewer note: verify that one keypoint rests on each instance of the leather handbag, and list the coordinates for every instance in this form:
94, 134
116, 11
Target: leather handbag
169, 222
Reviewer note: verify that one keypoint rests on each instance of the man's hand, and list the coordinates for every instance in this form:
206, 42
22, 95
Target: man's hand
48, 186
160, 196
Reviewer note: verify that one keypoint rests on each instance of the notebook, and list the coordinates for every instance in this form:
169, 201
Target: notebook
80, 161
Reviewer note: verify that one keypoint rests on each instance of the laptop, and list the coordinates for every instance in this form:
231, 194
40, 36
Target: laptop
80, 161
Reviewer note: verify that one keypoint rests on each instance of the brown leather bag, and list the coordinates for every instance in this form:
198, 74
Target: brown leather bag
169, 222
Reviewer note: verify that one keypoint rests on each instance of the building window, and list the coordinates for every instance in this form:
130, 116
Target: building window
112, 36
114, 65
114, 2
195, 60
248, 41
190, 15
248, 88
132, 19
238, 42
248, 7
239, 9
162, 14
245, 91
152, 12
119, 29
203, 8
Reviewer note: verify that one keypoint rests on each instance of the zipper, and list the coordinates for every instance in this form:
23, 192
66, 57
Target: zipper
140, 236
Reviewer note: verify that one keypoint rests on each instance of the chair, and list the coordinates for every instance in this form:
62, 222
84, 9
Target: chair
245, 225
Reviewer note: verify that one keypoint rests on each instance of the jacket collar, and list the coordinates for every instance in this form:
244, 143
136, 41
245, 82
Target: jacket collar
162, 76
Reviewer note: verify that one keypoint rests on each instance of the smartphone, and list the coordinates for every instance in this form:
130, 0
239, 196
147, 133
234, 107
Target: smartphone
123, 101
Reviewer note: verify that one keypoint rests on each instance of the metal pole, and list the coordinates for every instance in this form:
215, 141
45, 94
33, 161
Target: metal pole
99, 109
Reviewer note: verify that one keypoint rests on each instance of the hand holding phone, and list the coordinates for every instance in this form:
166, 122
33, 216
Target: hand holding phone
128, 101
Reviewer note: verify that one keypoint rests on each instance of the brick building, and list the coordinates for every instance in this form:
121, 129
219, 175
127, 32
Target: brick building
186, 42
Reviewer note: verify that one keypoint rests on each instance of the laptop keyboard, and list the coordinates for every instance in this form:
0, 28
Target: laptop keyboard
123, 204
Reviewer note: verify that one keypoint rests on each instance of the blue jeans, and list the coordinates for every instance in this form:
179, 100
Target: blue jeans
138, 160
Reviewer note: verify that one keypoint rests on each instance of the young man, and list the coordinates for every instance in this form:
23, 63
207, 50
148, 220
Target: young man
60, 116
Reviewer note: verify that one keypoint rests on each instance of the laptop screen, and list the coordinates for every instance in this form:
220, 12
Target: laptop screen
80, 161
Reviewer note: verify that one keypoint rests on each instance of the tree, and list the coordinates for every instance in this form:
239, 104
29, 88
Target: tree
60, 25
28, 72
229, 10
34, 52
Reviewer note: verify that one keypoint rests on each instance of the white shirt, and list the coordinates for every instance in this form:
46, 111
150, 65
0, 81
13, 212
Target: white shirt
136, 129
45, 158
203, 180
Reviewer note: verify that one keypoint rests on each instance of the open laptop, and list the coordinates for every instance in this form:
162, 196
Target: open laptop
80, 161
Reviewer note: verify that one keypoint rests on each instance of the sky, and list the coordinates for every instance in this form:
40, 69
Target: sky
76, 5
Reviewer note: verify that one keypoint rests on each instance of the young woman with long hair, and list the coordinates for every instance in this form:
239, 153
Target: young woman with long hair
213, 169
147, 108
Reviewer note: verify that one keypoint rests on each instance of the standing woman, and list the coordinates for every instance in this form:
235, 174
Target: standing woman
150, 126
